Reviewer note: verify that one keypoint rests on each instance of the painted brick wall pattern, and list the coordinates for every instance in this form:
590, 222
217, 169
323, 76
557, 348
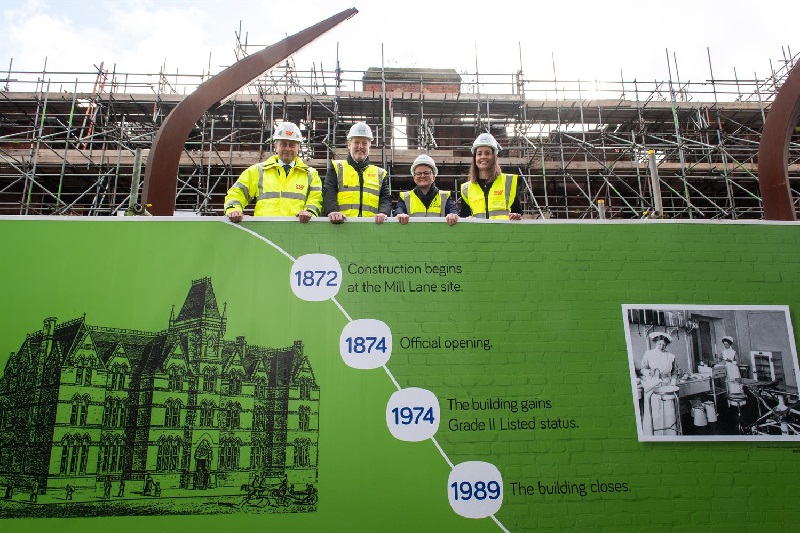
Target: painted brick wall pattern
548, 298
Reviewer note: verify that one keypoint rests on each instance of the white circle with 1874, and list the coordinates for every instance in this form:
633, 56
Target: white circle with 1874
366, 344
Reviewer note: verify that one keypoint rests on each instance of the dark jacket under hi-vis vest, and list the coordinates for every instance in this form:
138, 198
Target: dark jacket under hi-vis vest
351, 196
416, 208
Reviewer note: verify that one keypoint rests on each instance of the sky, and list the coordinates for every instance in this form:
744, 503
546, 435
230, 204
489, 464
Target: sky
585, 40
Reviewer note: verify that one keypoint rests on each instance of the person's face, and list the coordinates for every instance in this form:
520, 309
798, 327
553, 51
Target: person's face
661, 343
287, 150
484, 158
726, 344
359, 148
423, 177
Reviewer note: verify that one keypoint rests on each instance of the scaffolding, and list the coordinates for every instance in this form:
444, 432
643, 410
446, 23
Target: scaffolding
69, 140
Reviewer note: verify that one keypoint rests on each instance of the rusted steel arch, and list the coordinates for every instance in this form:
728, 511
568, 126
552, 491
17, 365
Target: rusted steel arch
773, 150
161, 173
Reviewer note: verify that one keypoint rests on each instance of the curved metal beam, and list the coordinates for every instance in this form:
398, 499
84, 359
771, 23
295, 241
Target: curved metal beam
773, 150
161, 173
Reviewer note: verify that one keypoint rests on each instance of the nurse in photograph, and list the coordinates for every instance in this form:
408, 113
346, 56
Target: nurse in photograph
729, 357
658, 369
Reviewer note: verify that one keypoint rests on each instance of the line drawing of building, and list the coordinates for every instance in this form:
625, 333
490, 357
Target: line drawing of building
168, 412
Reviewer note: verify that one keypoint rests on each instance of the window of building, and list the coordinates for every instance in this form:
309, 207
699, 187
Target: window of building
114, 413
74, 454
234, 415
235, 384
304, 414
301, 452
211, 345
260, 391
209, 379
207, 414
83, 374
80, 408
172, 417
169, 453
175, 379
259, 419
109, 458
229, 454
258, 455
116, 378
305, 389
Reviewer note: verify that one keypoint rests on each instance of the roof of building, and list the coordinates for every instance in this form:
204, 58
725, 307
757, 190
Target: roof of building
412, 75
201, 302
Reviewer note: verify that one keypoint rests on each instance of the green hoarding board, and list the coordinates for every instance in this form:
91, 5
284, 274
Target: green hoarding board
195, 374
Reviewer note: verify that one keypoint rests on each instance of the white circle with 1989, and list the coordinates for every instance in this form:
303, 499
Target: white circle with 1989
316, 277
475, 489
412, 414
365, 344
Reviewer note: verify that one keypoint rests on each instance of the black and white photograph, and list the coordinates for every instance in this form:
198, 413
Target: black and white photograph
713, 373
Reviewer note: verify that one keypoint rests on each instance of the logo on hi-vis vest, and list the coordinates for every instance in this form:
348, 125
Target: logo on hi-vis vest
299, 186
498, 193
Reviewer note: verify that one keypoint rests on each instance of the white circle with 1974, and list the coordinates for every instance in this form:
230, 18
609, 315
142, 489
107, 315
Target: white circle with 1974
475, 489
412, 414
365, 344
316, 277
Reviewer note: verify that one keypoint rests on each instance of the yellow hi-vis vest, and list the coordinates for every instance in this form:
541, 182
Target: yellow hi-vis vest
351, 196
501, 196
276, 194
416, 208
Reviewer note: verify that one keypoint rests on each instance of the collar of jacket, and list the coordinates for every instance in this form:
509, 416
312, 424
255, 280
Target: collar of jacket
275, 161
360, 167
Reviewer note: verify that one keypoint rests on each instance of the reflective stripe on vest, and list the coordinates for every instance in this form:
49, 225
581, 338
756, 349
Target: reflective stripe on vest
499, 204
352, 196
416, 208
237, 203
280, 202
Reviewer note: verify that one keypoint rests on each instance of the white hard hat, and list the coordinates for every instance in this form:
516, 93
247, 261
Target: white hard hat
359, 129
288, 132
486, 139
424, 159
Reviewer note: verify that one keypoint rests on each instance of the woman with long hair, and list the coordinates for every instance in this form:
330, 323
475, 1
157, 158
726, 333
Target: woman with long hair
489, 193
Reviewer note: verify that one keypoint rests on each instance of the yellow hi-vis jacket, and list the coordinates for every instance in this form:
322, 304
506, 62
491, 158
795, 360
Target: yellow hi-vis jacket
275, 193
350, 195
416, 208
498, 203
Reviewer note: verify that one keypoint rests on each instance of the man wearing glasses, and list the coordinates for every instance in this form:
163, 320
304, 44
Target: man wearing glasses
426, 200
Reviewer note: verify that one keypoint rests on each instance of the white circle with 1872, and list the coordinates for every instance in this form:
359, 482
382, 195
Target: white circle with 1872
475, 489
365, 344
316, 277
412, 414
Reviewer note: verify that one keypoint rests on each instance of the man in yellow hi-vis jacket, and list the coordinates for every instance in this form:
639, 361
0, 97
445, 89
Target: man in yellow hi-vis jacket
282, 186
354, 187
